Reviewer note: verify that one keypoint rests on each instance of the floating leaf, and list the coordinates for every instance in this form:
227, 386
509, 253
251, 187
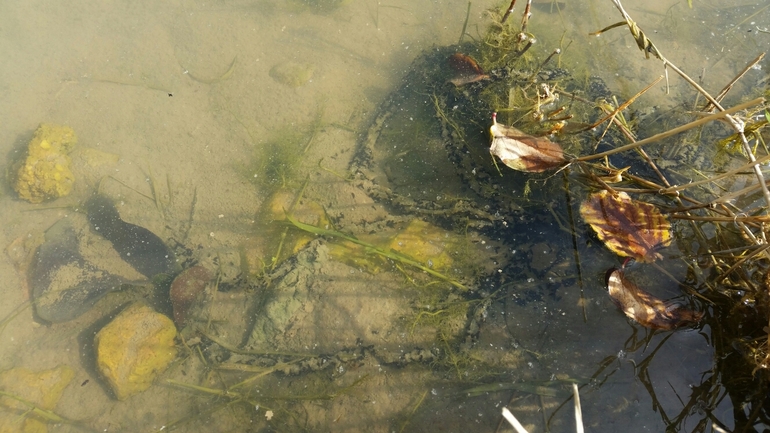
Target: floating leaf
628, 227
523, 152
645, 308
468, 71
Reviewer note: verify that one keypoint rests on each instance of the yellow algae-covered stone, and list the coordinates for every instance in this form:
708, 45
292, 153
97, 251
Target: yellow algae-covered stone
359, 256
281, 203
419, 241
45, 173
134, 348
292, 74
425, 243
40, 388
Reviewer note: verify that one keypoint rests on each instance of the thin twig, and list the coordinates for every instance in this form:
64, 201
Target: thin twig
578, 410
646, 45
525, 17
740, 262
533, 75
508, 11
622, 106
669, 133
465, 24
732, 82
513, 421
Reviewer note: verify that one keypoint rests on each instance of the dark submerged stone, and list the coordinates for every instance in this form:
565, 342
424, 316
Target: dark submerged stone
138, 246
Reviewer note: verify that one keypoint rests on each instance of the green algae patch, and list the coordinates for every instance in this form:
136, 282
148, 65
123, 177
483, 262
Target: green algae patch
292, 74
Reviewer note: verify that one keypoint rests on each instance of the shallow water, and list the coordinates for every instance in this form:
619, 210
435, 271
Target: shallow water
204, 120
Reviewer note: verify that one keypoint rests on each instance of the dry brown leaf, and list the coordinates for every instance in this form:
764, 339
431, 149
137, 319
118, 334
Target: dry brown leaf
523, 152
466, 69
628, 227
646, 309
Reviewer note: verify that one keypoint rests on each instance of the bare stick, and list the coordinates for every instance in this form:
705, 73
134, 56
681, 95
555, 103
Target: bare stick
532, 76
739, 126
508, 12
730, 85
646, 45
741, 261
683, 128
726, 219
622, 106
525, 18
578, 410
513, 421
746, 166
465, 24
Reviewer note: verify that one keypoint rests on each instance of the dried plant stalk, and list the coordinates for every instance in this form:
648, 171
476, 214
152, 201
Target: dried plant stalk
672, 132
646, 45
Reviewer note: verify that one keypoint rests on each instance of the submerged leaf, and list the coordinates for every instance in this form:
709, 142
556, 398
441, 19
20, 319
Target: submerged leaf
523, 152
467, 70
628, 227
645, 308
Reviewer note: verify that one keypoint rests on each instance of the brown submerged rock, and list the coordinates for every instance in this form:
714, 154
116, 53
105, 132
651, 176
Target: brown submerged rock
186, 290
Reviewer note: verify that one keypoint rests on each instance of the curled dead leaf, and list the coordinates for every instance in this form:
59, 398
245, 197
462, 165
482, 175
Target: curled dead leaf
646, 309
523, 152
628, 227
466, 70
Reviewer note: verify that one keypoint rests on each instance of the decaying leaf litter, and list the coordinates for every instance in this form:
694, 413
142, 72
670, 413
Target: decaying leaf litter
455, 317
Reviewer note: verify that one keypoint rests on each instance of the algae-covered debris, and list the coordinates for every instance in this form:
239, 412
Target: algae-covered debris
28, 397
45, 173
292, 74
319, 6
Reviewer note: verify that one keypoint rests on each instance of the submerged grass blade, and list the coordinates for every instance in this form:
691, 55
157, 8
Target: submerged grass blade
546, 389
389, 254
422, 398
44, 414
222, 77
18, 310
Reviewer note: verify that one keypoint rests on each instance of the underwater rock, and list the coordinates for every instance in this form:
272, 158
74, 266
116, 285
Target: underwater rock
64, 283
45, 173
425, 243
186, 290
75, 266
305, 211
134, 348
42, 389
138, 246
292, 74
